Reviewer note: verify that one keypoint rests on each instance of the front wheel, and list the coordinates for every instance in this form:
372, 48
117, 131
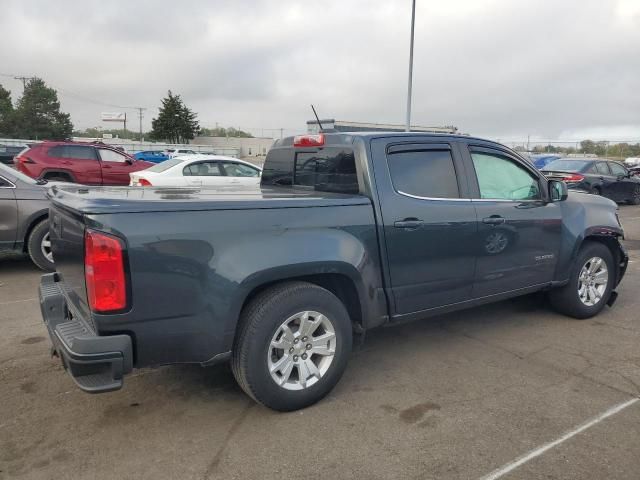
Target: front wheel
635, 196
293, 345
590, 284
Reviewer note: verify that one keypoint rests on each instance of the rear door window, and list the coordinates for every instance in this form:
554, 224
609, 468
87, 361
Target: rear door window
79, 153
424, 173
602, 168
203, 169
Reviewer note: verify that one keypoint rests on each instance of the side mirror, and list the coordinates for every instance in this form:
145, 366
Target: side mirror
558, 191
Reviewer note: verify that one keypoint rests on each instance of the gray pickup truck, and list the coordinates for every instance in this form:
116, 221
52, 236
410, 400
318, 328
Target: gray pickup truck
347, 232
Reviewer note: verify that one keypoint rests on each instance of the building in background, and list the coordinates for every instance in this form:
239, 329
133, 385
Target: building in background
344, 126
247, 147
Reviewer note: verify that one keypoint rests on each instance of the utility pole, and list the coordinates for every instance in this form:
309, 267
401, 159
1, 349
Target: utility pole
281, 132
140, 116
413, 21
24, 80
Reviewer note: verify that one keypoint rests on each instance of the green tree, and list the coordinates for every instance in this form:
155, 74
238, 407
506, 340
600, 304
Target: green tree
37, 114
176, 123
6, 112
224, 132
93, 132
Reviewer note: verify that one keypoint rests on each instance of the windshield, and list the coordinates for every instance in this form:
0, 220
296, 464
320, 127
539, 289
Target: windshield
11, 174
166, 165
567, 165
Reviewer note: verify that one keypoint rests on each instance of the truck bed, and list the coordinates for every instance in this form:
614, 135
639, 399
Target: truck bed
99, 200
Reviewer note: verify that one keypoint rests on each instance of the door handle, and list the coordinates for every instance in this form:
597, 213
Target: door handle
494, 220
409, 223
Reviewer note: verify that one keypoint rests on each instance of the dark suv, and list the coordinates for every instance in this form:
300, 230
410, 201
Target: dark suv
86, 163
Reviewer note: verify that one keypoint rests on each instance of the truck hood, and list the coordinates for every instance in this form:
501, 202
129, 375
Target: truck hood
96, 200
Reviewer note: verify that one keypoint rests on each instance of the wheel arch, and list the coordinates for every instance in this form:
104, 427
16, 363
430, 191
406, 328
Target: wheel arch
340, 278
49, 172
610, 239
34, 220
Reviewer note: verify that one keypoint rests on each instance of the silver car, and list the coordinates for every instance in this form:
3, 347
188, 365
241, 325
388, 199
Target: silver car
24, 212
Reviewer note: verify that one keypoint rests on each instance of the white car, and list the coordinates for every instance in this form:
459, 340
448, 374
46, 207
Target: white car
198, 171
177, 152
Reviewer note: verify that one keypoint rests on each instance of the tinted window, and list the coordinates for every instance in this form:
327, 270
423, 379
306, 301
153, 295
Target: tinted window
4, 183
330, 170
111, 156
503, 179
427, 173
617, 169
76, 152
567, 165
233, 169
166, 165
602, 168
202, 169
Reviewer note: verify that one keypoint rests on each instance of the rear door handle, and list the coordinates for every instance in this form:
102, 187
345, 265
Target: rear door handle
493, 220
411, 223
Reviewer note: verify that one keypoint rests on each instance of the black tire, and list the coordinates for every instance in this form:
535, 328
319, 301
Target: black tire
595, 191
260, 321
566, 299
34, 244
635, 196
57, 177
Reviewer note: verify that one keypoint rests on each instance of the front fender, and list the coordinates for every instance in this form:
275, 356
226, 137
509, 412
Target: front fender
585, 216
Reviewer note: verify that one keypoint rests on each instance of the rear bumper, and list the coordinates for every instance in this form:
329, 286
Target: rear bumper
96, 363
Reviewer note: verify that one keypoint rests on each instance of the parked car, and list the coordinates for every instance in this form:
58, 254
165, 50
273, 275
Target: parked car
85, 163
24, 212
541, 160
8, 152
176, 152
599, 177
151, 156
198, 171
279, 279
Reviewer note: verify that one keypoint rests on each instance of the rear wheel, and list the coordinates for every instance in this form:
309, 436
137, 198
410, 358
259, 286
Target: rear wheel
292, 346
590, 284
39, 246
595, 191
57, 177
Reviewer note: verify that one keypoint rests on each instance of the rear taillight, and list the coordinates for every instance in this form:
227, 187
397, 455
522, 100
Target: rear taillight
309, 140
22, 159
144, 183
104, 272
573, 178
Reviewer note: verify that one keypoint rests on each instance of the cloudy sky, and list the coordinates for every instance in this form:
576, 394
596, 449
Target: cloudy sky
552, 69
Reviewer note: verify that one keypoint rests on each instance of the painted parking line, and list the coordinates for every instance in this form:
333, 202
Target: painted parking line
19, 301
500, 472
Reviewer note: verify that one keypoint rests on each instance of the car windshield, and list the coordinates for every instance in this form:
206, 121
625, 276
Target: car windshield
10, 173
567, 165
166, 165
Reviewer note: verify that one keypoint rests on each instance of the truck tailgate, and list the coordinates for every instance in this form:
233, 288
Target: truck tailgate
67, 242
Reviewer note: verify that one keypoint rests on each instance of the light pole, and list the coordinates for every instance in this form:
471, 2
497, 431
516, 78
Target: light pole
413, 20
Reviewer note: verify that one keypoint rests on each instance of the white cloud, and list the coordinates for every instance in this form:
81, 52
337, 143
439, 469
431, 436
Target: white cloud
494, 67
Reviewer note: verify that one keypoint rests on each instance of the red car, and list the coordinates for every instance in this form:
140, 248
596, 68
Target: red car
86, 163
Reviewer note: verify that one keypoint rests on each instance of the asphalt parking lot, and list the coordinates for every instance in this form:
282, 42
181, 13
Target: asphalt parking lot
454, 397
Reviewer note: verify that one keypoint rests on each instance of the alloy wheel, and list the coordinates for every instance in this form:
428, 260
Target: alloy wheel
301, 350
592, 281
